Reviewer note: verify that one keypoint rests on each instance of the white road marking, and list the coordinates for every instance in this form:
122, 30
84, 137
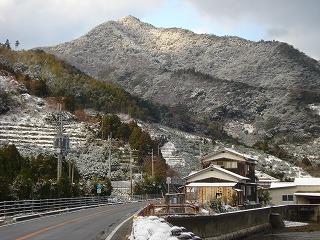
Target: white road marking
116, 229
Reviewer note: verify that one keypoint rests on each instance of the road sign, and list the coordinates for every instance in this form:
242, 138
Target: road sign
98, 186
168, 180
98, 190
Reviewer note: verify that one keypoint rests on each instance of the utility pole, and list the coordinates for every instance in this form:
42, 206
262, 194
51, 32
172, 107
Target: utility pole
152, 167
59, 170
71, 169
72, 173
61, 143
131, 159
109, 158
131, 186
200, 153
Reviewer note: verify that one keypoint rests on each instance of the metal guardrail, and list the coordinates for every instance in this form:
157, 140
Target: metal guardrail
29, 207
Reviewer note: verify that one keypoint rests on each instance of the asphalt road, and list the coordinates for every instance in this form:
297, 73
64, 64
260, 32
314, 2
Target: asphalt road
93, 223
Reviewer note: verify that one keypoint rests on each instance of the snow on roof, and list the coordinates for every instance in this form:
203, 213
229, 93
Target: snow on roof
218, 184
282, 185
307, 181
192, 172
231, 151
297, 182
218, 168
228, 172
309, 194
265, 177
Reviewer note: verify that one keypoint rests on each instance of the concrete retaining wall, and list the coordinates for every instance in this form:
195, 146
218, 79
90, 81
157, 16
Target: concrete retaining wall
244, 223
301, 212
226, 225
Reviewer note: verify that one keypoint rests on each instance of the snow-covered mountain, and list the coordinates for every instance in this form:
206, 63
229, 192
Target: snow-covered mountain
255, 91
30, 127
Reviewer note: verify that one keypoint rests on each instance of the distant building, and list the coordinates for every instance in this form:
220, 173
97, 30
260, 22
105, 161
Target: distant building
301, 191
121, 186
226, 174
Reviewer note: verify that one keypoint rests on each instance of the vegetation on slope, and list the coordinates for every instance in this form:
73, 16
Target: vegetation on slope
44, 76
33, 178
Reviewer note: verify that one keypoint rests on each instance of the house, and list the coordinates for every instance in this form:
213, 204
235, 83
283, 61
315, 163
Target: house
226, 174
301, 191
264, 180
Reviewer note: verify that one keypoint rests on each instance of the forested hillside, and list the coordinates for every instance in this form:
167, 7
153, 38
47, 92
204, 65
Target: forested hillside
46, 76
253, 91
32, 83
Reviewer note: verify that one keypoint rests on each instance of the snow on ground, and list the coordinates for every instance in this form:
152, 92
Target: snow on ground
273, 163
154, 228
147, 227
294, 224
315, 108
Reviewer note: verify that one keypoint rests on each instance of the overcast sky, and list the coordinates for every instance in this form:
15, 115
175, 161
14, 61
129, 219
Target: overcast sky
38, 23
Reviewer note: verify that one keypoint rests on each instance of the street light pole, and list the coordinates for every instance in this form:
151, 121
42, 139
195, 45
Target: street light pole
152, 167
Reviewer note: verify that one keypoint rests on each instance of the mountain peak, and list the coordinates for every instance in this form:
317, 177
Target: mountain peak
129, 18
132, 21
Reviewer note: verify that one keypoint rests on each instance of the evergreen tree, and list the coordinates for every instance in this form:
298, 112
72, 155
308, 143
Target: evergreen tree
21, 188
16, 44
4, 188
7, 44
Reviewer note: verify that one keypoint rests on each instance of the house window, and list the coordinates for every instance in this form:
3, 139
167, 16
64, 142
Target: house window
248, 191
287, 199
231, 165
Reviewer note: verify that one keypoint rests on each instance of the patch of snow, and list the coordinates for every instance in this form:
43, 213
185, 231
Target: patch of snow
315, 107
150, 228
294, 224
155, 228
248, 128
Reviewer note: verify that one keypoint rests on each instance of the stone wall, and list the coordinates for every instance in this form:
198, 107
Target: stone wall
235, 225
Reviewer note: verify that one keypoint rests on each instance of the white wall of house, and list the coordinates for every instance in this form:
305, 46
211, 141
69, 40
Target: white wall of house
282, 195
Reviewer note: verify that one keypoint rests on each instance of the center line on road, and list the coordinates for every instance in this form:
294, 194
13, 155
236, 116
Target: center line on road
61, 224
